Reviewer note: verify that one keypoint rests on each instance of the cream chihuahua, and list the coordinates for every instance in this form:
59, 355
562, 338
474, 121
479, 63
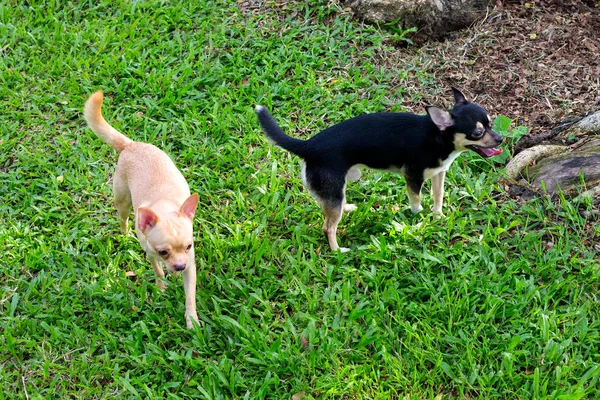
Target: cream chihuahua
146, 178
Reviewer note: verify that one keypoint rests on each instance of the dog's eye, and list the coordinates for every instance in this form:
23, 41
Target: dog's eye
189, 247
163, 253
478, 133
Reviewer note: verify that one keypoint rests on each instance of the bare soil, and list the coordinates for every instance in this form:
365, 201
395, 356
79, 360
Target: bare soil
535, 61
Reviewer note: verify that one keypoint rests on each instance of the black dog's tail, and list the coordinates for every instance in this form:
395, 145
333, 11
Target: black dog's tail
276, 134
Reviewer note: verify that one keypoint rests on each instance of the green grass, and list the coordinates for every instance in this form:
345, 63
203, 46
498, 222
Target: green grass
497, 300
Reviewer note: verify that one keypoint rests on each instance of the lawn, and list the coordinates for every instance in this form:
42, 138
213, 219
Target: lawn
499, 299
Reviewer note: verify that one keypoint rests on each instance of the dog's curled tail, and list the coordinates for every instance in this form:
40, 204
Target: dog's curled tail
92, 113
276, 134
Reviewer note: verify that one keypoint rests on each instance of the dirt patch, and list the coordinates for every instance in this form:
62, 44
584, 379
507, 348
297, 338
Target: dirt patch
535, 61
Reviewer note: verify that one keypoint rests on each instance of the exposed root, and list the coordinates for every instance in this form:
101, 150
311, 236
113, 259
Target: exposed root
529, 156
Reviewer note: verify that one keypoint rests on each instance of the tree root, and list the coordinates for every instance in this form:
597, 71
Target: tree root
529, 156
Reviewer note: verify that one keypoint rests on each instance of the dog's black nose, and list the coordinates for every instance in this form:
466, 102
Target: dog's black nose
497, 137
179, 267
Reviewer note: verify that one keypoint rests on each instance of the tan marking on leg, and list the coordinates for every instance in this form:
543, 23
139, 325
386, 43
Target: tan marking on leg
415, 200
437, 190
333, 215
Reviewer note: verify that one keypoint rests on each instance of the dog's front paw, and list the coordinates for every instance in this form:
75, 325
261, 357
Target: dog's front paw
189, 317
124, 227
438, 214
161, 285
349, 207
353, 174
416, 208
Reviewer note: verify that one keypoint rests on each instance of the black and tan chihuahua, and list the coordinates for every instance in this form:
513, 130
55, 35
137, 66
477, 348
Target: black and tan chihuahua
417, 146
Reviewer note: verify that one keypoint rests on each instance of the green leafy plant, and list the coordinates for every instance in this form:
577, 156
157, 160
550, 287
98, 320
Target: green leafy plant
502, 125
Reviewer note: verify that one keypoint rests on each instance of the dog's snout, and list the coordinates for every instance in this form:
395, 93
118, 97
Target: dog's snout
179, 267
498, 138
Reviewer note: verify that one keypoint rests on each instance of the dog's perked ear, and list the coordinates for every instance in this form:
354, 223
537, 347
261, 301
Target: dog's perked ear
146, 219
441, 118
459, 98
188, 208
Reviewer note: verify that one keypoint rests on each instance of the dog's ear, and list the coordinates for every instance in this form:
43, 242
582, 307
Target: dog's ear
459, 98
441, 118
188, 208
146, 219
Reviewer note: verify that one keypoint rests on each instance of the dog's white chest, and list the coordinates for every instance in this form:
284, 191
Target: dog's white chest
429, 172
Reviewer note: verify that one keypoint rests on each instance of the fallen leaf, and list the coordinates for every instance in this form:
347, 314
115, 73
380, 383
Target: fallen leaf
304, 342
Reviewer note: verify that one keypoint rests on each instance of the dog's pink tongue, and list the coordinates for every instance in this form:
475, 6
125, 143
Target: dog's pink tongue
491, 151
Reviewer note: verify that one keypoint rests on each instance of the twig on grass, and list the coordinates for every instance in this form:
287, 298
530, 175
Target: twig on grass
63, 356
8, 297
24, 387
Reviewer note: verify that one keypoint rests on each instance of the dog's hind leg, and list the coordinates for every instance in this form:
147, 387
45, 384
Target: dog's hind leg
328, 187
122, 200
413, 188
333, 215
333, 206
